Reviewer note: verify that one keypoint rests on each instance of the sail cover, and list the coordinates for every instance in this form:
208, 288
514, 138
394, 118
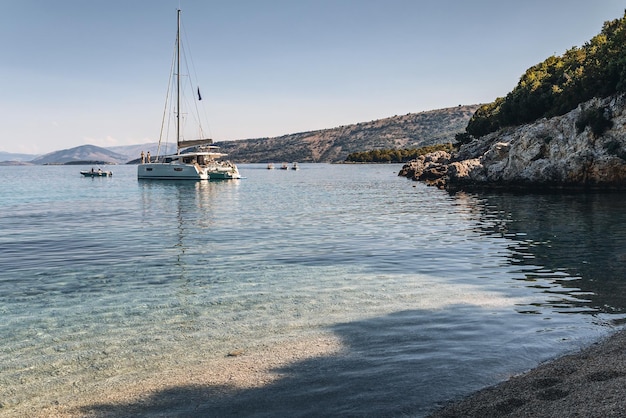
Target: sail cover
194, 142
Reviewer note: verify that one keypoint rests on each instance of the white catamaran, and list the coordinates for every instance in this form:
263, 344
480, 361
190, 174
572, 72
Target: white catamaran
200, 163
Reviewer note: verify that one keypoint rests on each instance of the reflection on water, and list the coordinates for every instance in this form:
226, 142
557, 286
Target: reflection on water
185, 196
577, 241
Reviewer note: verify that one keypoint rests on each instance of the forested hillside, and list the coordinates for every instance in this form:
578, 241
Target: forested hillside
560, 83
413, 130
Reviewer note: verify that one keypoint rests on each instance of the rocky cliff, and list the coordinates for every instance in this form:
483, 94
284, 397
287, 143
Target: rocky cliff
583, 149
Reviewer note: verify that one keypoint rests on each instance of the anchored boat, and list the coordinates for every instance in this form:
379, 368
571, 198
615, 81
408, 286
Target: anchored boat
202, 162
96, 173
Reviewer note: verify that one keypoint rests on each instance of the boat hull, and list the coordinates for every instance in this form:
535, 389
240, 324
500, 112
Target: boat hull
222, 173
165, 171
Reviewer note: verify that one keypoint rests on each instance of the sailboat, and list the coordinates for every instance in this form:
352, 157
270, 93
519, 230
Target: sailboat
202, 162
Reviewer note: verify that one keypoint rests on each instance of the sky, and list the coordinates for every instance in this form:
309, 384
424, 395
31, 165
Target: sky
76, 72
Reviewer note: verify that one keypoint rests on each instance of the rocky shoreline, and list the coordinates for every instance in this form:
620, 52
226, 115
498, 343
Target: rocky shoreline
589, 383
584, 149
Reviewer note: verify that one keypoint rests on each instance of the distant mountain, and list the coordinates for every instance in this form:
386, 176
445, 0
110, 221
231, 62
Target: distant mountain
133, 152
86, 153
12, 157
413, 130
91, 154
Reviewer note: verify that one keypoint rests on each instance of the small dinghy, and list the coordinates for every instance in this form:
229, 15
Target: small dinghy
96, 173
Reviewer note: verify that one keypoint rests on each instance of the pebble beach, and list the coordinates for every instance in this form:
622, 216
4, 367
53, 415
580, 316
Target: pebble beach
589, 383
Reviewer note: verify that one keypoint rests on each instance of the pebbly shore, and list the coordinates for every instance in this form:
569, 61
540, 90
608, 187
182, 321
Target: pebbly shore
589, 383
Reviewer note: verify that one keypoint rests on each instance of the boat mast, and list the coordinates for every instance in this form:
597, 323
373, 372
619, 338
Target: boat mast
178, 81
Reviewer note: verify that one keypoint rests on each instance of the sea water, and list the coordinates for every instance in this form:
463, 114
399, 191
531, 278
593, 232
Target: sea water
432, 295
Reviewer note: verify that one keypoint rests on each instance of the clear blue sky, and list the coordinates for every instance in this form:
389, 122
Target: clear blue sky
77, 72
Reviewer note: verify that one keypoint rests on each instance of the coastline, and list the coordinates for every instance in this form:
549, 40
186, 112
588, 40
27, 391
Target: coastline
588, 383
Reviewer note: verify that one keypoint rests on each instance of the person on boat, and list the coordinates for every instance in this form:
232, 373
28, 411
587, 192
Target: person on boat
148, 157
143, 158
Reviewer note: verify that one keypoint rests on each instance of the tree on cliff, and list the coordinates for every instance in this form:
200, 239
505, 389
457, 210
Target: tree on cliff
559, 84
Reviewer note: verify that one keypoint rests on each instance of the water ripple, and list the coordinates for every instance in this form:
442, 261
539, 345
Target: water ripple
115, 277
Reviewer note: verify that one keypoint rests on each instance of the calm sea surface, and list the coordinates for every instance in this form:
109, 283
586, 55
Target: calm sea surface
431, 295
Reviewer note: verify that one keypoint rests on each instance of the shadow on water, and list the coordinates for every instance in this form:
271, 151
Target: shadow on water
582, 235
386, 368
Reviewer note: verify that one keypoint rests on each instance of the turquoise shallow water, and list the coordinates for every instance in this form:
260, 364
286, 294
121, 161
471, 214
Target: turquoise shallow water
432, 296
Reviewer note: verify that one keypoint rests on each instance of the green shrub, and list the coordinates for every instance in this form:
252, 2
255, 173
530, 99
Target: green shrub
599, 119
395, 155
560, 83
462, 138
